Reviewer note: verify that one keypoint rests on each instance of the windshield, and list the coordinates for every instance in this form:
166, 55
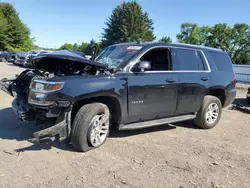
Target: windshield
115, 55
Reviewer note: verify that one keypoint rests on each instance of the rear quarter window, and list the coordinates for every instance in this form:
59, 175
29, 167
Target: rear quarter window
187, 60
222, 61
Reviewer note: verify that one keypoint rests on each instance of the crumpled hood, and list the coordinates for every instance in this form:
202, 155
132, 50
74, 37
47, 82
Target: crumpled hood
63, 58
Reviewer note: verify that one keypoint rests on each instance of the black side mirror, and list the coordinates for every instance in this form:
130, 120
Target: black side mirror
144, 65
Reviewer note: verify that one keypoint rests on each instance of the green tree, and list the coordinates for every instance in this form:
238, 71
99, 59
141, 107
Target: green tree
165, 39
220, 37
66, 46
75, 47
14, 35
192, 34
3, 31
235, 41
240, 44
83, 47
128, 23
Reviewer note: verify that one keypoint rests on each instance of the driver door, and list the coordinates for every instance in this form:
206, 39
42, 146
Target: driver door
152, 94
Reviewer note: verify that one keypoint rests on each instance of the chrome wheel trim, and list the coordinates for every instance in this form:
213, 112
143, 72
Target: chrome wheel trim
99, 129
212, 113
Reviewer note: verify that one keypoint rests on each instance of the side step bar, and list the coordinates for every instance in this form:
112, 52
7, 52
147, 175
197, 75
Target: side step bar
152, 123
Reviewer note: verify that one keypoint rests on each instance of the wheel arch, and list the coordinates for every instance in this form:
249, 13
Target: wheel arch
219, 92
111, 102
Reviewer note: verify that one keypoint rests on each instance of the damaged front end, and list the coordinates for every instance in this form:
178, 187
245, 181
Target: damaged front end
39, 98
30, 104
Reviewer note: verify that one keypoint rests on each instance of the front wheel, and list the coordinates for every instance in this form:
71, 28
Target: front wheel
90, 127
210, 112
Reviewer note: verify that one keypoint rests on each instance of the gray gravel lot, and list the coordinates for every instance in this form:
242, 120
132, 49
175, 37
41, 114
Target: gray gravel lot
178, 155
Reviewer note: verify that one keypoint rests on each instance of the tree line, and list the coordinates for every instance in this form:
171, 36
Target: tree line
14, 35
129, 23
233, 40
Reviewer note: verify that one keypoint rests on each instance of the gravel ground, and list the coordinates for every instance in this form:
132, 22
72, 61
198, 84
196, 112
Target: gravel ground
176, 155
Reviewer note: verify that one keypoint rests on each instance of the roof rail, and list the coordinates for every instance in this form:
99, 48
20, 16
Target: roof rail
193, 45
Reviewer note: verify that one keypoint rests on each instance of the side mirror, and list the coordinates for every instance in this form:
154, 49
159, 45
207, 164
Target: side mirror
144, 65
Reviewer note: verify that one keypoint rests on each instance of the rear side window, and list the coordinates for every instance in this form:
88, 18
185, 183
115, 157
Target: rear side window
187, 60
222, 61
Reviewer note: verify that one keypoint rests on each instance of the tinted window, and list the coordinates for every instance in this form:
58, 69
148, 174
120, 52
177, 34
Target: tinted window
159, 59
222, 61
187, 60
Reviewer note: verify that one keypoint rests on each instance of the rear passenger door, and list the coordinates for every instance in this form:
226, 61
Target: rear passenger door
193, 78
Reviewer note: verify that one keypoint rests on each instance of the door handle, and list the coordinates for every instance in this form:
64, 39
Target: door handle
204, 78
170, 81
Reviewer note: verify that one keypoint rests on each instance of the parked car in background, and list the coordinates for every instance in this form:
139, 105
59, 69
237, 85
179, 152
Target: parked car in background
4, 56
31, 56
12, 57
7, 56
21, 59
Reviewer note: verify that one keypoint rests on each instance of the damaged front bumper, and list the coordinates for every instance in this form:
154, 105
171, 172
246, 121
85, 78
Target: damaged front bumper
61, 126
5, 85
20, 111
60, 119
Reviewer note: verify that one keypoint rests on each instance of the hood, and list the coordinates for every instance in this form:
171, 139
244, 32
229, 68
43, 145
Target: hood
62, 59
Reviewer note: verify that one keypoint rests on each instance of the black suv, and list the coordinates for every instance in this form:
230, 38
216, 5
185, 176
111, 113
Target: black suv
128, 85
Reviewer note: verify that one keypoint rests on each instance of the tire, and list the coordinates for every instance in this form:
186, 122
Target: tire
201, 119
84, 123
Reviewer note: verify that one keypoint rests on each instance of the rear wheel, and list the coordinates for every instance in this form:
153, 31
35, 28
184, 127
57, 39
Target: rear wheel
90, 127
210, 112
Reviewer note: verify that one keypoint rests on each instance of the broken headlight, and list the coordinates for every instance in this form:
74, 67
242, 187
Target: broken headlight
44, 86
40, 89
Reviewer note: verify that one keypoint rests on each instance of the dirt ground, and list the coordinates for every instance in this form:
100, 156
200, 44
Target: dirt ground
178, 155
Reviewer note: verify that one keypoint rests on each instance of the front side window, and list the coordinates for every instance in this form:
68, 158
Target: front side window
187, 60
159, 59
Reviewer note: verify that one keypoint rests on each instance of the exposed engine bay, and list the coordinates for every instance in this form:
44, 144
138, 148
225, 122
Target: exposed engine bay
20, 85
37, 94
67, 68
53, 65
